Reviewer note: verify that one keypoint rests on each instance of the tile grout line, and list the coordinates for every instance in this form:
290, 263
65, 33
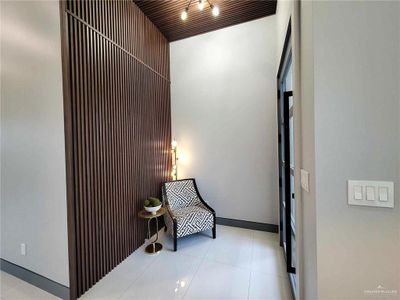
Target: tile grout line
139, 275
137, 278
228, 264
195, 273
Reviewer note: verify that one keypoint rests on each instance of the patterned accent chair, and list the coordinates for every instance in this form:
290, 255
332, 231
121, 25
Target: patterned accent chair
187, 212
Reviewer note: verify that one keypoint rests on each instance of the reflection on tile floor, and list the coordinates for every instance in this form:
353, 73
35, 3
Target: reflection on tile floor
239, 264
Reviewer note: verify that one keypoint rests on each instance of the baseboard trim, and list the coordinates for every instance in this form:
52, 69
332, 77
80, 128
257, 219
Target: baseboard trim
247, 224
44, 283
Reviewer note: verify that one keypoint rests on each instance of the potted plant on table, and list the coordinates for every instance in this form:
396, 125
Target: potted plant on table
152, 205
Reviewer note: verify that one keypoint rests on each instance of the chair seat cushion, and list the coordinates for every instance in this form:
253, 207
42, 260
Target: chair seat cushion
193, 219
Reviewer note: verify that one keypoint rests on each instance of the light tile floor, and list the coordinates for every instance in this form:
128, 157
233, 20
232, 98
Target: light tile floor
13, 288
239, 264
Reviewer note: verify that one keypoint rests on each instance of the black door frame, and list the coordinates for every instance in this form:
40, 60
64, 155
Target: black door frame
285, 193
288, 192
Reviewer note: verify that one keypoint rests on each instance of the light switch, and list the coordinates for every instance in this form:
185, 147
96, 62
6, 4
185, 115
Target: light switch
383, 194
370, 191
358, 192
304, 178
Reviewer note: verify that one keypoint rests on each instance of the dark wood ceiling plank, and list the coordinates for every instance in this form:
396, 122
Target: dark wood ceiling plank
166, 15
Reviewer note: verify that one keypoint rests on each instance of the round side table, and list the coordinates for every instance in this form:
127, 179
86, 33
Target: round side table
153, 247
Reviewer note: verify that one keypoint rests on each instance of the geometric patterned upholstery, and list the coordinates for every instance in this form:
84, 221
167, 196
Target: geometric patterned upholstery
185, 207
181, 194
193, 219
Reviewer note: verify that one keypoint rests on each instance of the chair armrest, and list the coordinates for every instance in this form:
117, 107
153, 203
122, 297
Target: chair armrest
207, 206
201, 199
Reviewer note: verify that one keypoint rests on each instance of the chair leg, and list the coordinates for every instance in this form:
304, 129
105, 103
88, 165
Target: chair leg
175, 236
214, 230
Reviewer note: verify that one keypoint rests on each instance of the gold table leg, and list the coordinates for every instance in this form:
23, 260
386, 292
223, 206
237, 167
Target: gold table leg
153, 247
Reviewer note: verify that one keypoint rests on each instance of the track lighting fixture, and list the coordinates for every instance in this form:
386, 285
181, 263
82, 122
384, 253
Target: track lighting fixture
201, 5
214, 10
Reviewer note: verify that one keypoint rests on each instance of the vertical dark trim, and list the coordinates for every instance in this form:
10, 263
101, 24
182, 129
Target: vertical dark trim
175, 235
279, 106
285, 175
214, 230
288, 193
68, 151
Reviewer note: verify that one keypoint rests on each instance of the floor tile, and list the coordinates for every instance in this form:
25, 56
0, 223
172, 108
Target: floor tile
23, 290
267, 255
268, 287
195, 245
232, 234
219, 281
238, 264
167, 278
233, 247
114, 284
7, 281
268, 262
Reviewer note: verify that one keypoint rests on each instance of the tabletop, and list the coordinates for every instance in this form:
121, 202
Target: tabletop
147, 215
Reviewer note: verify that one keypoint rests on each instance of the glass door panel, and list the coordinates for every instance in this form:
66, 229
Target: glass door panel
287, 167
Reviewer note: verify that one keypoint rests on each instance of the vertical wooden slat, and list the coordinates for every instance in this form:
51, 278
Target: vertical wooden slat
96, 188
92, 150
109, 159
103, 162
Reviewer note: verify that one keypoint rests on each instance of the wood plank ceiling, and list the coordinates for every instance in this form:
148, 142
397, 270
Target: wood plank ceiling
166, 15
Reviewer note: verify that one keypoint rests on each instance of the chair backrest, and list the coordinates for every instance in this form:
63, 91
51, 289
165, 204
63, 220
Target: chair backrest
180, 193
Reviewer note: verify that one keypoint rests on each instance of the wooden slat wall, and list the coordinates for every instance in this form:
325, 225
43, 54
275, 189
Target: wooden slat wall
118, 110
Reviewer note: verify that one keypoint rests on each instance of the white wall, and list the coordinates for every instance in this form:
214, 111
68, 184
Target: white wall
350, 100
398, 87
356, 49
33, 184
308, 199
300, 14
284, 11
224, 117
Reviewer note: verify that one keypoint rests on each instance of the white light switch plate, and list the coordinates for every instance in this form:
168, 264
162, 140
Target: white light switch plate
305, 180
370, 193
